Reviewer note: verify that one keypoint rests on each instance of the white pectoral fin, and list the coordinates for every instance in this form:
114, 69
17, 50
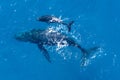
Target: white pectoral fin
60, 17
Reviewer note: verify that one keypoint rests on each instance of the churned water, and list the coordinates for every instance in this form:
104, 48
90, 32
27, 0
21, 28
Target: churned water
96, 23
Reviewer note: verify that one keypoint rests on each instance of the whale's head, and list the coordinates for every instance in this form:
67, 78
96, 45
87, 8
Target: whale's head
32, 36
23, 36
45, 18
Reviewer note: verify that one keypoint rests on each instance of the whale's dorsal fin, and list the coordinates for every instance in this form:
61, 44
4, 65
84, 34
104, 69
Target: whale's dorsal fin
44, 52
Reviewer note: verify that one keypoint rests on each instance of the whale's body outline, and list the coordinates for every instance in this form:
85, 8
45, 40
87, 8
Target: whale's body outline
51, 38
53, 19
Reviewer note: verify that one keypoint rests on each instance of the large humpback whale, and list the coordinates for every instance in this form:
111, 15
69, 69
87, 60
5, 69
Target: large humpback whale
53, 19
51, 38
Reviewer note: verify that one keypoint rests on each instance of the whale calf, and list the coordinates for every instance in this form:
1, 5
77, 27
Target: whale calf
51, 38
53, 19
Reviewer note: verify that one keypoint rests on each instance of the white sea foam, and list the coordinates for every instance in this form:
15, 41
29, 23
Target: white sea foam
67, 53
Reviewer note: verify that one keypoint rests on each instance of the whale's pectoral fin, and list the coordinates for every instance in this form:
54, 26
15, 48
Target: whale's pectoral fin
44, 51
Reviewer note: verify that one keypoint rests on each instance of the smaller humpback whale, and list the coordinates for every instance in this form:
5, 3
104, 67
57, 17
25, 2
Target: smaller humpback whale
51, 38
53, 19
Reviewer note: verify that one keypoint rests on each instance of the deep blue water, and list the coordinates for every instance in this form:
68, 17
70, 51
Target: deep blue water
96, 21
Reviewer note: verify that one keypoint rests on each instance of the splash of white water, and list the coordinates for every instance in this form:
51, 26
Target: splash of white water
68, 54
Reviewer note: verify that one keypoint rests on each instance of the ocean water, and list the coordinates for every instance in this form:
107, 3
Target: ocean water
97, 23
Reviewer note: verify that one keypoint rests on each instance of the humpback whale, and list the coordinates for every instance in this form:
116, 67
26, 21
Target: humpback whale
51, 38
53, 19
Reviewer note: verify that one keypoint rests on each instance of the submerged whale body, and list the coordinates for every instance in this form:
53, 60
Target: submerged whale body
53, 19
51, 38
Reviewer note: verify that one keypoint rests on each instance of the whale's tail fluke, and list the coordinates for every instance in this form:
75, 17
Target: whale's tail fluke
68, 25
86, 54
